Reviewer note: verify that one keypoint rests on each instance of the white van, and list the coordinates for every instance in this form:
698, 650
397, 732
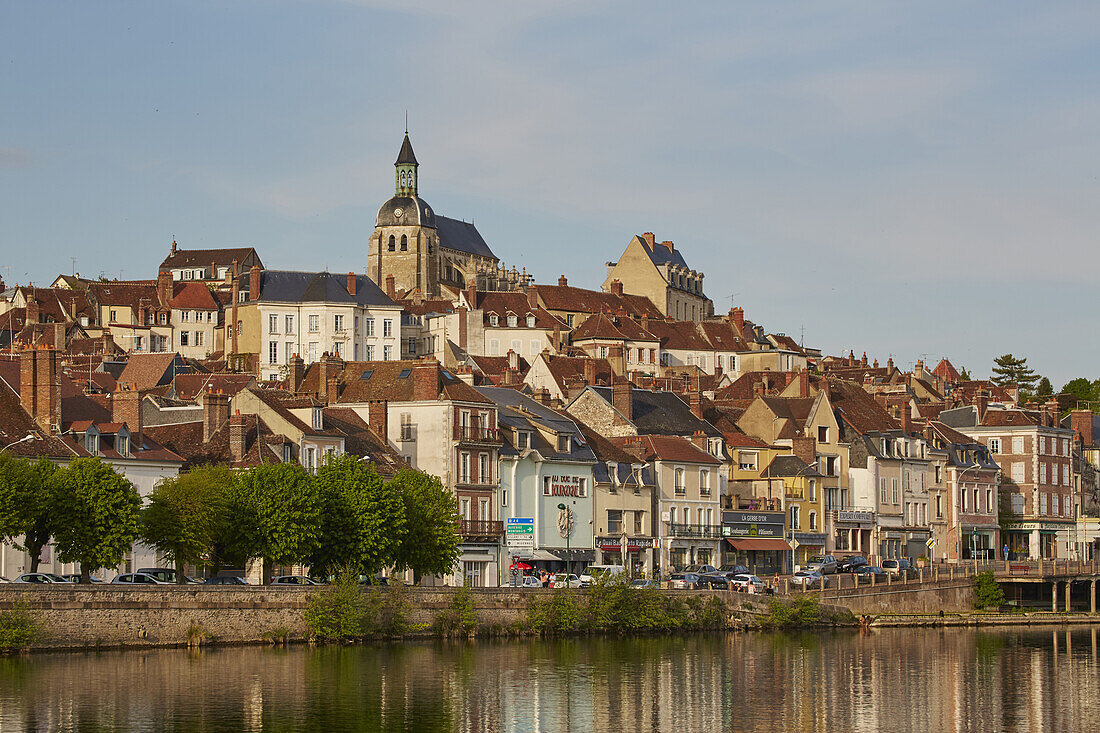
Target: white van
593, 572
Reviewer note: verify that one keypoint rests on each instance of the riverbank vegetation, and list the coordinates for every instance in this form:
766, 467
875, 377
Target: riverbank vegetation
988, 593
19, 628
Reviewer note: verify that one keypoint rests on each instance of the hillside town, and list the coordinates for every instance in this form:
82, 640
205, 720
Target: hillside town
633, 426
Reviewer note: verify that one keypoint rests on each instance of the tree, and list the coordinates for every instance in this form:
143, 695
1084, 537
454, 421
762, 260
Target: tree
1008, 370
362, 518
1045, 388
964, 374
1082, 389
26, 490
431, 539
95, 512
185, 515
274, 515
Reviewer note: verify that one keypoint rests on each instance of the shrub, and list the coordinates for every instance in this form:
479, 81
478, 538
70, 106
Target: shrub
461, 616
560, 613
338, 611
987, 591
19, 628
801, 611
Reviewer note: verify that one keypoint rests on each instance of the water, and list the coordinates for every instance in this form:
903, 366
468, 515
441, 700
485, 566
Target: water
891, 679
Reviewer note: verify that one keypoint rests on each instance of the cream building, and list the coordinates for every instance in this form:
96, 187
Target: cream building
659, 272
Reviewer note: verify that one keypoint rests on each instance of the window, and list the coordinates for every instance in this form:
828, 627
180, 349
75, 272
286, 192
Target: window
288, 351
894, 491
831, 466
200, 338
822, 433
1018, 472
310, 459
183, 338
273, 324
338, 348
638, 521
114, 316
939, 474
404, 243
521, 439
794, 518
994, 445
513, 321
387, 327
273, 352
484, 475
412, 346
1042, 472
989, 500
939, 507
679, 485
813, 521
977, 505
387, 353
813, 490
1018, 444
704, 482
883, 497
746, 461
503, 497
369, 327
392, 245
1065, 475
337, 323
369, 353
962, 496
313, 347
464, 468
1042, 503
494, 319
614, 521
530, 321
314, 324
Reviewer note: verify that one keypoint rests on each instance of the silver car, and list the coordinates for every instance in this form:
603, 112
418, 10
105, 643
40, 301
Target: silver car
742, 583
138, 579
824, 564
809, 579
39, 578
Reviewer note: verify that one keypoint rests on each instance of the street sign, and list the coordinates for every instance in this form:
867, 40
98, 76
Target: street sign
519, 532
794, 544
931, 542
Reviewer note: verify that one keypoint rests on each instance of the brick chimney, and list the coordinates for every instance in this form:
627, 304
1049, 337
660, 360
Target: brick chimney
513, 359
425, 378
622, 397
351, 283
863, 361
126, 407
695, 400
532, 296
238, 437
254, 282
737, 315
48, 394
699, 440
668, 244
324, 373
590, 371
803, 383
297, 373
32, 312
851, 358
805, 447
648, 237
28, 380
376, 417
562, 282
391, 288
164, 286
1081, 422
236, 293
1052, 412
890, 363
906, 418
757, 389
215, 411
982, 403
543, 396
616, 287
463, 326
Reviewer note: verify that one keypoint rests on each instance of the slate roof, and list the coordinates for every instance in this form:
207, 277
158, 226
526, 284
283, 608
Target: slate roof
661, 413
461, 236
788, 465
661, 254
200, 257
517, 410
406, 154
288, 286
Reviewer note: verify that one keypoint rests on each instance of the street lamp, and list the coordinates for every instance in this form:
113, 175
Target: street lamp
24, 439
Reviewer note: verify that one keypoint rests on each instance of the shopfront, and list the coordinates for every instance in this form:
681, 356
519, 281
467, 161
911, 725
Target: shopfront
852, 532
809, 545
639, 553
756, 540
1035, 540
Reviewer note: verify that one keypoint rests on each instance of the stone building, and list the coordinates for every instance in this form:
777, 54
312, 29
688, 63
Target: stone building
658, 271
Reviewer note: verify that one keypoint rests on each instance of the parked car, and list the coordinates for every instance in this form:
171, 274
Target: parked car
226, 580
824, 564
898, 567
39, 578
735, 569
683, 581
594, 572
645, 583
743, 581
700, 569
809, 579
373, 580
530, 581
716, 581
850, 563
870, 570
138, 579
75, 578
565, 580
293, 580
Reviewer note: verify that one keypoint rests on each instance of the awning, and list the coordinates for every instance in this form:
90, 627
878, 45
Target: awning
758, 543
543, 555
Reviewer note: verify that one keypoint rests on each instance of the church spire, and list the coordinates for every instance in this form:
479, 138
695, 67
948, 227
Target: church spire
406, 169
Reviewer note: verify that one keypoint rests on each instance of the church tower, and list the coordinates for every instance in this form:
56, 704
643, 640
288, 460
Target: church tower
405, 243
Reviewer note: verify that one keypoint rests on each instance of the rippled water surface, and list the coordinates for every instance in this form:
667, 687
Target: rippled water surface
897, 680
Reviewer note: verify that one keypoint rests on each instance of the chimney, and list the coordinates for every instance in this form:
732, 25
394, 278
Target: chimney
297, 373
48, 395
622, 398
562, 282
254, 283
391, 289
72, 304
1081, 422
805, 447
234, 271
173, 250
513, 359
982, 403
803, 383
238, 437
590, 371
213, 271
463, 326
471, 295
737, 315
376, 418
215, 411
164, 286
699, 440
695, 400
875, 364
543, 396
617, 287
906, 418
557, 336
648, 237
668, 244
126, 407
890, 363
863, 361
28, 380
851, 358
532, 296
351, 283
32, 309
757, 389
425, 378
1051, 410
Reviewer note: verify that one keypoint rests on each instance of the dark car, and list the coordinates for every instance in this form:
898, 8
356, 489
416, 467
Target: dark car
226, 580
380, 580
721, 580
75, 578
870, 570
850, 564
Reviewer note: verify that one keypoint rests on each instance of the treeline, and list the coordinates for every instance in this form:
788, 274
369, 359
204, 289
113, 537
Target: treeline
344, 518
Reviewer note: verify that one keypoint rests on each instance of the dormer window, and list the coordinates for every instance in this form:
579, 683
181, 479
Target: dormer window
563, 443
513, 321
522, 439
530, 321
494, 320
318, 419
123, 444
91, 443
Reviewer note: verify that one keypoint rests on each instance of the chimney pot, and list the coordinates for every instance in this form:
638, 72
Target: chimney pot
562, 282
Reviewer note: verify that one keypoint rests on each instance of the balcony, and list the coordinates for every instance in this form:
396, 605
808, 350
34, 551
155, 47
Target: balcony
488, 528
477, 434
704, 531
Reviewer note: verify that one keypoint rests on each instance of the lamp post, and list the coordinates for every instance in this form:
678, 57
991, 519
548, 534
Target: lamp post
24, 439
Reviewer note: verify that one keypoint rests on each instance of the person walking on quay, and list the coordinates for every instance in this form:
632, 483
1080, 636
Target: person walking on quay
1006, 553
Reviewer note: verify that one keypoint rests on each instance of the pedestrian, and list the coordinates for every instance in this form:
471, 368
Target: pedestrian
544, 577
1006, 552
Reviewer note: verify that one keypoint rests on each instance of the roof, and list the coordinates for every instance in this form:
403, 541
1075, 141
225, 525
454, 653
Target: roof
193, 295
858, 409
660, 413
191, 386
15, 423
135, 295
360, 440
372, 381
661, 253
946, 371
517, 410
788, 465
144, 371
665, 448
199, 257
566, 368
262, 444
515, 303
288, 286
406, 154
611, 327
461, 236
723, 335
678, 334
580, 300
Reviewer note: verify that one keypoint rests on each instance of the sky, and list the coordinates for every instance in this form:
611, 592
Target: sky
913, 180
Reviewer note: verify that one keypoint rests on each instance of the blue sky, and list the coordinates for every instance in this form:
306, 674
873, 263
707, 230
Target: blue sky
909, 179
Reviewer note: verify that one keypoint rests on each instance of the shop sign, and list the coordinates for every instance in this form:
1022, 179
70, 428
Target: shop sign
564, 486
729, 517
633, 544
810, 538
845, 515
752, 530
1041, 526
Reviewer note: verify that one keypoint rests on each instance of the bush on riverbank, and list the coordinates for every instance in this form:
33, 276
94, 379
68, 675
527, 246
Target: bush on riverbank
803, 611
342, 611
460, 616
988, 593
19, 628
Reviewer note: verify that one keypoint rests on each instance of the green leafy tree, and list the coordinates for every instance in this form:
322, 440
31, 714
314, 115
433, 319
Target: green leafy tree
185, 515
1008, 370
430, 542
362, 518
1082, 389
26, 491
273, 514
1045, 388
95, 511
964, 374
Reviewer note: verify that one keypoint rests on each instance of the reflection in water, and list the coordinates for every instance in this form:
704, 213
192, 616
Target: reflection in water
903, 679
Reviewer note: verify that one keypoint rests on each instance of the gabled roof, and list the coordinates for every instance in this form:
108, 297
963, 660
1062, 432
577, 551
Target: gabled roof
660, 413
262, 444
503, 304
723, 335
516, 410
661, 253
610, 327
567, 368
856, 408
288, 286
461, 236
665, 448
788, 465
145, 371
200, 257
15, 423
135, 295
579, 300
190, 387
686, 335
360, 440
946, 371
371, 381
192, 295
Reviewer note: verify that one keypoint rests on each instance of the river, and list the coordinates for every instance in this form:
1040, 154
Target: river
1023, 679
